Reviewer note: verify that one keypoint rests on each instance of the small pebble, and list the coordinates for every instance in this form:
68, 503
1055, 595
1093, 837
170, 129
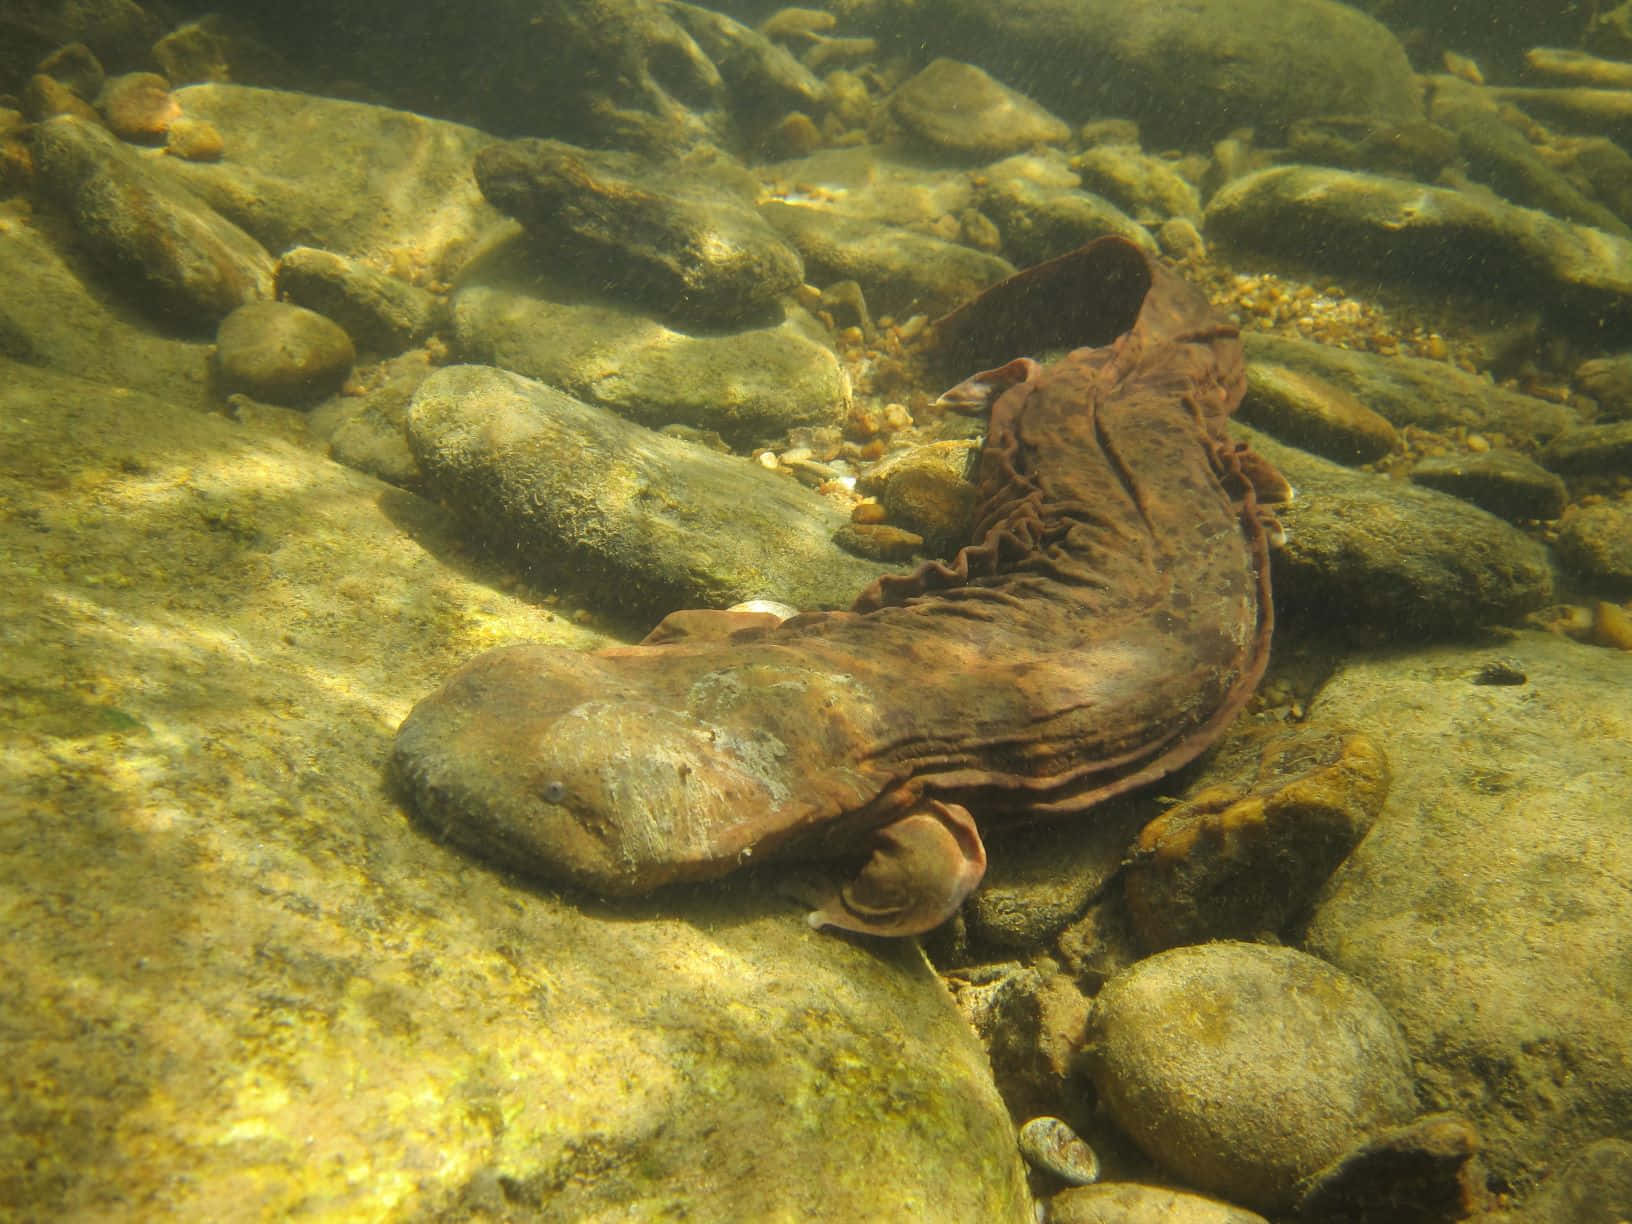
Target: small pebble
867, 512
1051, 1145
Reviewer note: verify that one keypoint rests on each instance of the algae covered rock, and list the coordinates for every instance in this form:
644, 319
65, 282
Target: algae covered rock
1490, 907
1244, 1068
654, 522
179, 257
281, 353
241, 983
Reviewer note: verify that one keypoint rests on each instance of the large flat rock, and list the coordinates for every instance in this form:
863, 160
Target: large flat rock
1490, 908
240, 984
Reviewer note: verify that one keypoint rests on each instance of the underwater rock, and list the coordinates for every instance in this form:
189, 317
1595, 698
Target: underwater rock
52, 318
1601, 450
1608, 380
115, 31
902, 272
1031, 1023
1192, 1053
680, 241
1189, 74
1146, 187
1052, 1147
1309, 412
653, 522
380, 312
1042, 877
1366, 550
755, 71
1597, 112
1037, 203
1425, 1172
862, 214
1237, 860
749, 385
194, 139
1593, 1187
1504, 482
1595, 543
76, 66
928, 490
44, 97
367, 182
1491, 905
956, 109
175, 254
1414, 390
1412, 147
281, 353
1498, 153
1417, 234
139, 106
220, 927
370, 432
880, 542
1133, 1203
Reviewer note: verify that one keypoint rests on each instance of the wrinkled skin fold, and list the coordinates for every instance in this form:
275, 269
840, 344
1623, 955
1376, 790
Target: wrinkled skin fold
1108, 619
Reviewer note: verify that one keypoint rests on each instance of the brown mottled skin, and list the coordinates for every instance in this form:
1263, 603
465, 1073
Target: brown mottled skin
1109, 618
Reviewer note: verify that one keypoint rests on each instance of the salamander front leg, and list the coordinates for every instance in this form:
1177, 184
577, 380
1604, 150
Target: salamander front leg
922, 867
976, 394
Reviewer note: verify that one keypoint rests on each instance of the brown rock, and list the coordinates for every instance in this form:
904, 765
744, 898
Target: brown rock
1133, 1203
1233, 861
1425, 1172
180, 258
281, 353
139, 106
879, 541
1595, 543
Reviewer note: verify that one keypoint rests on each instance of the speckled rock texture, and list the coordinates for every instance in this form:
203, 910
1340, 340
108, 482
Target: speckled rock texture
653, 522
380, 312
1192, 1051
1490, 907
1595, 543
240, 984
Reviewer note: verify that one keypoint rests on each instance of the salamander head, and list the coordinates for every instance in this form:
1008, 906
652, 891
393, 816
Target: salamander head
539, 760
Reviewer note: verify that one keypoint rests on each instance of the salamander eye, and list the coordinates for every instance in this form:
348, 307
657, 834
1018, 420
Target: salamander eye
553, 791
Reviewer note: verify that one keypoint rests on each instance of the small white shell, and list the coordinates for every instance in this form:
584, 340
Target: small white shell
765, 605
